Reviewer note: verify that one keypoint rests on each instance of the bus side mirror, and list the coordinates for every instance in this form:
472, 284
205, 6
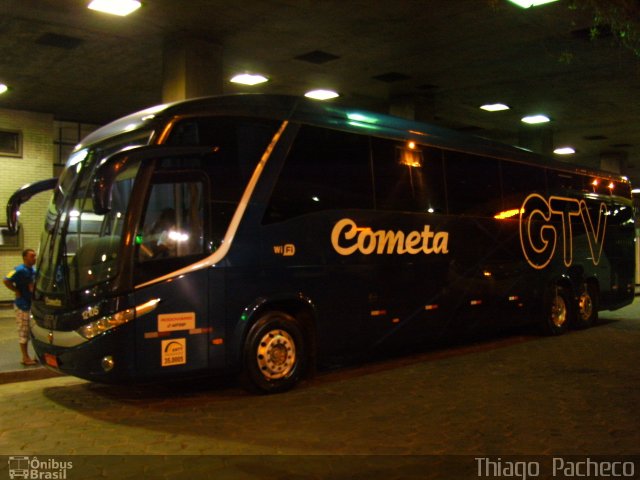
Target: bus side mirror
23, 195
104, 178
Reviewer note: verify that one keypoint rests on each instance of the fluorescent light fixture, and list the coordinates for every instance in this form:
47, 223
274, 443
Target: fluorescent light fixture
321, 94
531, 3
534, 119
249, 79
635, 190
494, 107
3, 88
115, 7
564, 151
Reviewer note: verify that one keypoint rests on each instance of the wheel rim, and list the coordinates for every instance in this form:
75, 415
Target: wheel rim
558, 311
585, 306
276, 354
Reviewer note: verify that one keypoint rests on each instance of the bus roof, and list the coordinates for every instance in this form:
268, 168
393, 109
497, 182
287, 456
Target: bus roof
300, 109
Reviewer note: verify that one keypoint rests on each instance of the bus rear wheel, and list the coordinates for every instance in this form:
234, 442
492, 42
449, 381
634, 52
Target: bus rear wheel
587, 311
274, 356
557, 310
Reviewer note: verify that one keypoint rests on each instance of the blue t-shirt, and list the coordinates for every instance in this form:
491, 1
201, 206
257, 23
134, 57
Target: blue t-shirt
22, 278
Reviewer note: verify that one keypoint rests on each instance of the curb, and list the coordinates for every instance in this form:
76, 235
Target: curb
28, 373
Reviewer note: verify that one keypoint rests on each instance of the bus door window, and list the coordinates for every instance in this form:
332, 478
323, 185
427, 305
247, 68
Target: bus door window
173, 222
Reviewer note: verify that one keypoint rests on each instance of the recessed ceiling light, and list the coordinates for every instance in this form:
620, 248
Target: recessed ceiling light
531, 3
564, 151
115, 7
494, 107
321, 94
249, 79
3, 88
533, 119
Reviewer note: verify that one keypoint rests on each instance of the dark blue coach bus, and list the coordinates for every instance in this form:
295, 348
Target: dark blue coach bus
264, 235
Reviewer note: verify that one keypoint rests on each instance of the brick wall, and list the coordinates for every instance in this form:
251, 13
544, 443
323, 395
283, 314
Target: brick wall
36, 164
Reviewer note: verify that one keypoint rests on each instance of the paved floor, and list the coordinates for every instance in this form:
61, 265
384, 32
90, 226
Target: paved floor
10, 368
424, 416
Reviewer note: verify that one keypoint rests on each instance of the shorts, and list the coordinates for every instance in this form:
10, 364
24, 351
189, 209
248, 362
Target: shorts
22, 322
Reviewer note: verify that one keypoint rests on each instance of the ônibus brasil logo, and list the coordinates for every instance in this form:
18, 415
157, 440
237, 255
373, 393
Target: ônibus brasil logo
35, 468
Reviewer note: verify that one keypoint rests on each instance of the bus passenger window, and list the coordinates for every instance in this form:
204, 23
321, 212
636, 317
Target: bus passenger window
563, 182
473, 184
325, 170
408, 177
519, 181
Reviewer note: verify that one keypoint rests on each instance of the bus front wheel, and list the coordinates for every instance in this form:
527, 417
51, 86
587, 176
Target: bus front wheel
274, 355
557, 312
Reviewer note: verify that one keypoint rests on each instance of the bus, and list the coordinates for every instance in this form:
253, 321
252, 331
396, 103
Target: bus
268, 235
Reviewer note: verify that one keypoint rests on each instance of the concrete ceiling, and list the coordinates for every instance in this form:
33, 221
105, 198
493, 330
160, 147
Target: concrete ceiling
443, 57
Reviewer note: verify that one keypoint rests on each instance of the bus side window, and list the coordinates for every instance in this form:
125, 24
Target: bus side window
473, 184
408, 177
563, 183
325, 170
519, 181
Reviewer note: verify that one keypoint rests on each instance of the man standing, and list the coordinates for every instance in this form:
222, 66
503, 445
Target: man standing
21, 282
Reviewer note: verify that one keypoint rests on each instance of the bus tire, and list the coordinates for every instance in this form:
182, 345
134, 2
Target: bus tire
274, 354
557, 310
587, 307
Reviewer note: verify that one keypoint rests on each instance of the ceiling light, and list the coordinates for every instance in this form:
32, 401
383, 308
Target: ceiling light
494, 107
321, 94
531, 3
115, 7
564, 151
3, 88
249, 79
533, 119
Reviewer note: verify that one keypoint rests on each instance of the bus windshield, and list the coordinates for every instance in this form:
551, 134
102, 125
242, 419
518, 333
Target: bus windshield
79, 248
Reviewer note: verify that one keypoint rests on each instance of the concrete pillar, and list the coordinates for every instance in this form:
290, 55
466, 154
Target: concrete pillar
191, 68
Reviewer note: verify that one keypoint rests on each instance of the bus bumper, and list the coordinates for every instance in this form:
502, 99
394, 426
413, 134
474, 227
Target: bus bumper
107, 358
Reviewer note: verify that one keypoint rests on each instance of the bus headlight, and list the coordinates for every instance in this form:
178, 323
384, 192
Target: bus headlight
103, 324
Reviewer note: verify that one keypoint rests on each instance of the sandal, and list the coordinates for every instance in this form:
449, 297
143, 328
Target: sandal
29, 362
